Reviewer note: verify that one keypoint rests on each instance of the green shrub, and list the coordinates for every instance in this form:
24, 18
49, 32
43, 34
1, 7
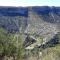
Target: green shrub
11, 45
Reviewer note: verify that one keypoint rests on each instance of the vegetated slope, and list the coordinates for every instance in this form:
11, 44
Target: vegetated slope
53, 51
12, 18
30, 14
42, 23
39, 22
13, 24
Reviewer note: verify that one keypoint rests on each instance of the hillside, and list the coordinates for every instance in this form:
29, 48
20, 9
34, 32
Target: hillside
38, 27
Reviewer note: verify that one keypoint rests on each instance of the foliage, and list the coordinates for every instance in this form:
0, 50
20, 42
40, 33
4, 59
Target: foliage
11, 44
52, 53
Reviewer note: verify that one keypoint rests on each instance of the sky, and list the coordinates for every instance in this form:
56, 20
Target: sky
29, 2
